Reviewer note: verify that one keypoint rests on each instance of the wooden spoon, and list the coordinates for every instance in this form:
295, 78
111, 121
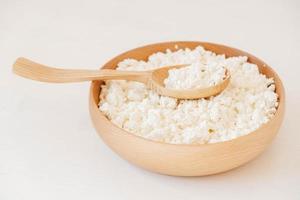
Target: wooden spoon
153, 79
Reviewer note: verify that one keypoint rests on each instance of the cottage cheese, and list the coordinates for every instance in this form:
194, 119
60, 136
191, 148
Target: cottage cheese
196, 75
248, 102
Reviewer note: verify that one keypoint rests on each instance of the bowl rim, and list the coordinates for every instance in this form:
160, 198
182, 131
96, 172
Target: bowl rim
279, 110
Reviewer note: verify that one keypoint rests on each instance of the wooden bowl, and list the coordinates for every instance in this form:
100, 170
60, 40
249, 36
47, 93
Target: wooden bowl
182, 159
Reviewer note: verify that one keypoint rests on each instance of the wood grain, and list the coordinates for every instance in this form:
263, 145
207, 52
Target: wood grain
153, 79
32, 70
186, 160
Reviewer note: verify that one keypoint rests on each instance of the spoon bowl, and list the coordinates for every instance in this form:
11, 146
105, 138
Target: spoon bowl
159, 75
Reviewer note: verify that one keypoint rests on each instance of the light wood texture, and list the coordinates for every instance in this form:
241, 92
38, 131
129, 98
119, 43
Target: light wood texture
153, 79
186, 160
157, 84
32, 70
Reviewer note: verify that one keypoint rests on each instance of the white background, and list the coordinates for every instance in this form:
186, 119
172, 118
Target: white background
48, 147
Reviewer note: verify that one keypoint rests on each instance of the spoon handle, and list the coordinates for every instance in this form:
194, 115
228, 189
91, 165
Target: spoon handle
32, 70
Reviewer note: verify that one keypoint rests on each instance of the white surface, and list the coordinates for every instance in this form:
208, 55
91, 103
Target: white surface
48, 147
